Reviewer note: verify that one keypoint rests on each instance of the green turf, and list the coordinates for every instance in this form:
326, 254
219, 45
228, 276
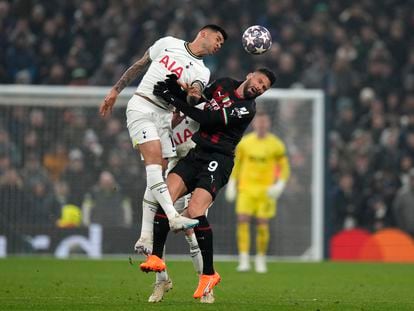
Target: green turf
50, 284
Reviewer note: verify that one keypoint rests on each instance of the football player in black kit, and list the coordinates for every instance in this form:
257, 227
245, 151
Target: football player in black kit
229, 109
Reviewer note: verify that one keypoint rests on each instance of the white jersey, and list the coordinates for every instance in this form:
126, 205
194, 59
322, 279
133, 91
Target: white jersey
183, 132
170, 55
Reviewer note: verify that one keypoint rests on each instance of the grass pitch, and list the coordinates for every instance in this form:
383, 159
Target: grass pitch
50, 284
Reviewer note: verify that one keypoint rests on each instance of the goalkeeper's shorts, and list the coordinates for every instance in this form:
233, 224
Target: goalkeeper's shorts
256, 206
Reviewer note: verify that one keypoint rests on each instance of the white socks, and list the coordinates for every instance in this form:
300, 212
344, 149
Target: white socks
179, 205
149, 208
195, 253
163, 275
158, 187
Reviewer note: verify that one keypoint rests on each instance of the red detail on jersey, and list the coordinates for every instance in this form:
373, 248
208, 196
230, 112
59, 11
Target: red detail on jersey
170, 66
178, 71
215, 138
187, 134
212, 105
198, 228
218, 96
179, 141
165, 60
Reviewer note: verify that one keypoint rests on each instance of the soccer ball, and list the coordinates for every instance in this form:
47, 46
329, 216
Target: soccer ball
256, 40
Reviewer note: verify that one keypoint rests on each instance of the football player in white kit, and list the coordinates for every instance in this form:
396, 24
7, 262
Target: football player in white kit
149, 118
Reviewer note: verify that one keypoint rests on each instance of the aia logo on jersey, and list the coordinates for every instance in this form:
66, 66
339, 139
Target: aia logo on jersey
171, 66
182, 137
223, 99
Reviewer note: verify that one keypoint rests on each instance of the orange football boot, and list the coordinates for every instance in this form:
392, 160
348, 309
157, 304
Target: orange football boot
206, 283
153, 263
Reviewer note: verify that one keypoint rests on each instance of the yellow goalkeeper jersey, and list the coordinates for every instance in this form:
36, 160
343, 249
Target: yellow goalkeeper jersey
259, 163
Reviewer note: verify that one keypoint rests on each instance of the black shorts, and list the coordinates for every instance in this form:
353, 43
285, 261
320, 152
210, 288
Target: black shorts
204, 169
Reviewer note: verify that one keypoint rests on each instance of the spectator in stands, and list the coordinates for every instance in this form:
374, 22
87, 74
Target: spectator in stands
5, 162
346, 203
74, 127
33, 170
106, 204
14, 200
43, 207
78, 177
403, 207
56, 160
8, 147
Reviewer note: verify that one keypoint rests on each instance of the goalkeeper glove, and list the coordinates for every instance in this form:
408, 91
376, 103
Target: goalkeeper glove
161, 90
231, 191
174, 87
275, 190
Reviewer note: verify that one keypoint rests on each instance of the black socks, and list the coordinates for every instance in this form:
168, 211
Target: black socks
161, 229
204, 236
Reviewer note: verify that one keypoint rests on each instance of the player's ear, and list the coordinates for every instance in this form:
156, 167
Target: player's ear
204, 33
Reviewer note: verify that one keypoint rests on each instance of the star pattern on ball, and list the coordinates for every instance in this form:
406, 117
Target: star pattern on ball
260, 50
265, 36
249, 39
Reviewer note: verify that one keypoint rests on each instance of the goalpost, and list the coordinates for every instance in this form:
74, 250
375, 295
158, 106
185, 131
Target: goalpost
297, 118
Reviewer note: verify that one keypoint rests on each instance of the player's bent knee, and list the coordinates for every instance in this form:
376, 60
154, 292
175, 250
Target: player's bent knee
196, 211
151, 152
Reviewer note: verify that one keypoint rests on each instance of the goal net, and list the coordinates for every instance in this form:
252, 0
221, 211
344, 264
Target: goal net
70, 181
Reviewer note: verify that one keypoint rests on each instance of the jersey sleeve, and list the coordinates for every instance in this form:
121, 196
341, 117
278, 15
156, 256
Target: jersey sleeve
223, 117
208, 91
155, 49
202, 78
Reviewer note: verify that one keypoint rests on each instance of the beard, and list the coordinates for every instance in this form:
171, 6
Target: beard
248, 93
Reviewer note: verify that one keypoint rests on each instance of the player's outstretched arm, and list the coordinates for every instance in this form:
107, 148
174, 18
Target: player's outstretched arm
129, 75
204, 117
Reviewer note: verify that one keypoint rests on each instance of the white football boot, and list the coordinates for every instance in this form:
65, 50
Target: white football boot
244, 262
260, 264
160, 288
178, 223
209, 298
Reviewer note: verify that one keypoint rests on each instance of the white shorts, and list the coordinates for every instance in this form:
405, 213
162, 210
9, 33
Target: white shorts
147, 122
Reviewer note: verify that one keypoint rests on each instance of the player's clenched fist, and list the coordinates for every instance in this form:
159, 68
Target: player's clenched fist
108, 103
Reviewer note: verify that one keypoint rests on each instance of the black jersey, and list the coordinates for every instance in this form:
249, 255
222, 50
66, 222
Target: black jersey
224, 119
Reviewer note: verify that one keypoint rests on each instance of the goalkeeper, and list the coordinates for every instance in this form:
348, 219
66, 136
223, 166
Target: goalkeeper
261, 169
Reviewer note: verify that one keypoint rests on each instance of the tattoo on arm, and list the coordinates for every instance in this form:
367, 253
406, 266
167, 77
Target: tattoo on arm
132, 72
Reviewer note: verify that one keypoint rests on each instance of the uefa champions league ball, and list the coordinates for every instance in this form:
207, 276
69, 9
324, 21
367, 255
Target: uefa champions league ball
256, 40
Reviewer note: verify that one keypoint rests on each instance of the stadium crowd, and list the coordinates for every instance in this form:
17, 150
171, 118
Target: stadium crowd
361, 53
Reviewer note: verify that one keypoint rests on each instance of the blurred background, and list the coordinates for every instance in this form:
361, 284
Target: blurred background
62, 168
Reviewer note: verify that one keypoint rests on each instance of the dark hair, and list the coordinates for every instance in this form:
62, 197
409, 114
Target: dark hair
216, 28
268, 73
